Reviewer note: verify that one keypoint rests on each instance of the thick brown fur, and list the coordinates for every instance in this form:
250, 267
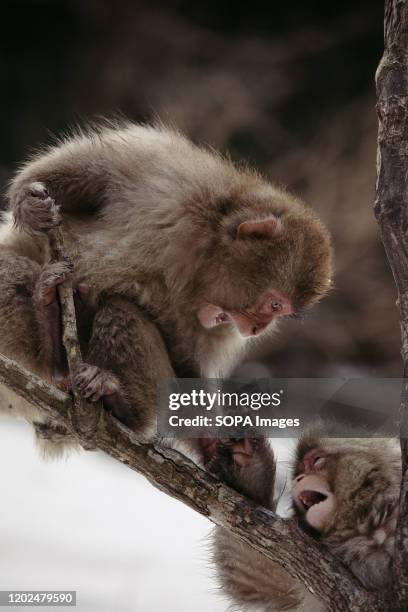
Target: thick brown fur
151, 224
364, 477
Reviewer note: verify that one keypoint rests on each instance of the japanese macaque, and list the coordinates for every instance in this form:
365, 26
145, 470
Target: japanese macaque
344, 491
183, 258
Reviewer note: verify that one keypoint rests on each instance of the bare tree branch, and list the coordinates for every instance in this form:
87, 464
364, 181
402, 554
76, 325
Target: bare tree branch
391, 210
84, 415
279, 540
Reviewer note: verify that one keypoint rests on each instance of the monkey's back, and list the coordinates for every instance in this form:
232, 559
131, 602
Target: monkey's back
132, 192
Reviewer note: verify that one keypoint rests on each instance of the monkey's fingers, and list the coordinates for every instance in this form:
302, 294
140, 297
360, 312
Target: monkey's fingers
34, 210
95, 384
52, 275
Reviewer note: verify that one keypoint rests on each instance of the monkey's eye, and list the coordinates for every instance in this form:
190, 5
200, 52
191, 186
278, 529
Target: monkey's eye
222, 317
276, 306
319, 462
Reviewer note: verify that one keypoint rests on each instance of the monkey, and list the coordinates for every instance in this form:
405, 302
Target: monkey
186, 259
345, 491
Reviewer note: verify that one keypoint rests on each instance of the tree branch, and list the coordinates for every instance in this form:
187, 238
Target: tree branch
84, 415
277, 539
391, 210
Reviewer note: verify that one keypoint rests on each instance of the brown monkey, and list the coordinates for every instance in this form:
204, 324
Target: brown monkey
187, 256
345, 491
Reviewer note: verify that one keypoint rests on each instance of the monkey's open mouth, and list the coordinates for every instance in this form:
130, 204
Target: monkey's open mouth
311, 498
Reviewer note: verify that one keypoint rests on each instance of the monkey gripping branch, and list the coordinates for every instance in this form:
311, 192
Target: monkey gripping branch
277, 539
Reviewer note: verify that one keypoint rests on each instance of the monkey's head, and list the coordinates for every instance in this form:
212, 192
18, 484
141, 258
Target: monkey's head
266, 256
346, 490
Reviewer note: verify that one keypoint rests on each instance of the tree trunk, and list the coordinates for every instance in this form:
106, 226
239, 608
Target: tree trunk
391, 210
277, 539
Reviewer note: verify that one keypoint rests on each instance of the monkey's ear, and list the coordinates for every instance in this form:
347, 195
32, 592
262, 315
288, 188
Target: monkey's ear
265, 228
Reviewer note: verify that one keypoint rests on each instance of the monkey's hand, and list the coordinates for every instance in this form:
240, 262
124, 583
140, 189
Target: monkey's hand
51, 276
247, 465
34, 210
95, 384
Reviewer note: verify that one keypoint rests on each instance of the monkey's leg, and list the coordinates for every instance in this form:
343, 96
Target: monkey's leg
131, 358
253, 582
29, 334
19, 332
20, 335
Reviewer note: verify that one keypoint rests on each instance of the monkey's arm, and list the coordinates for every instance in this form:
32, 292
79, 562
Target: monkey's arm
130, 358
250, 580
79, 174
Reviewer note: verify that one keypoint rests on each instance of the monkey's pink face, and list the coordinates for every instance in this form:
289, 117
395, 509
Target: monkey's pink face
250, 321
311, 492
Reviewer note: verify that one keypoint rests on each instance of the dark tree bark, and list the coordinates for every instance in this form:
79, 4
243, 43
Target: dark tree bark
391, 210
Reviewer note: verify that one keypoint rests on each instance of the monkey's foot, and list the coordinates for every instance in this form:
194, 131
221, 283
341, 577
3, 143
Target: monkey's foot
223, 455
95, 384
34, 210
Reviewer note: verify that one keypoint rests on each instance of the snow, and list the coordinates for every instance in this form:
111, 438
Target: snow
92, 525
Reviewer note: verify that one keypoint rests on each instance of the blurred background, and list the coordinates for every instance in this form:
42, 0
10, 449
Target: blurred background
287, 85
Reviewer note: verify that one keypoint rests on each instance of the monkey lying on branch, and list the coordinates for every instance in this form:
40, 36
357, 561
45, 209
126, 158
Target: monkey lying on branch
345, 492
